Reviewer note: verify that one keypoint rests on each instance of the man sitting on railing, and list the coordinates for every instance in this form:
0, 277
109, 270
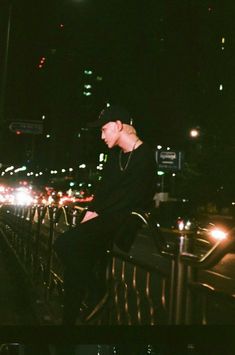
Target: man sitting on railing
128, 183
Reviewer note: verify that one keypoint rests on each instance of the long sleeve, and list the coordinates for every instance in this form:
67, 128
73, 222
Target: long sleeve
129, 189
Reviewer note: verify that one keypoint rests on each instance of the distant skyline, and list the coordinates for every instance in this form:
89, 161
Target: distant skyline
162, 60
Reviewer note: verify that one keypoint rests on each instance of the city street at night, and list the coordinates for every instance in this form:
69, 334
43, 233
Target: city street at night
117, 170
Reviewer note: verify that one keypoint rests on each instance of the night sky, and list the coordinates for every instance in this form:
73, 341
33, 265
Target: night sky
161, 59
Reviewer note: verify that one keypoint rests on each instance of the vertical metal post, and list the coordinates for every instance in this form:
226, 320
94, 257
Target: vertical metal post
180, 289
172, 292
50, 251
4, 72
188, 302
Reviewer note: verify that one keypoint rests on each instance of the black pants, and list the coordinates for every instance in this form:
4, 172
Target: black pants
80, 249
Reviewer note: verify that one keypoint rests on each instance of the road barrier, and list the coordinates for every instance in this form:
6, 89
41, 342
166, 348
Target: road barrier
155, 283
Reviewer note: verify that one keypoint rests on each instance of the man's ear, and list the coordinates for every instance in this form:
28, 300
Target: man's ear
119, 125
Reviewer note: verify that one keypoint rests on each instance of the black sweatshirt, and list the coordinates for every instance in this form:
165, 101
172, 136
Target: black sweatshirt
131, 189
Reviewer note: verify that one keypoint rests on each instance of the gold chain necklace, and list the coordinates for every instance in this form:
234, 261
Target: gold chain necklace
129, 158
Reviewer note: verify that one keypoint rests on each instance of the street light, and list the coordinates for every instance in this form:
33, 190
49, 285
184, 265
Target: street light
194, 133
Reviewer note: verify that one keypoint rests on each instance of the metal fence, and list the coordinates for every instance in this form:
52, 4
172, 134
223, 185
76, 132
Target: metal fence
155, 283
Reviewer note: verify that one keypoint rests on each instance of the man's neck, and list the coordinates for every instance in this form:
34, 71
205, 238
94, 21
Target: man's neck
130, 143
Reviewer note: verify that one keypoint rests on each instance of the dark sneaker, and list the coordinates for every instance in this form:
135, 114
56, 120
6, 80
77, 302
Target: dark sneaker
90, 309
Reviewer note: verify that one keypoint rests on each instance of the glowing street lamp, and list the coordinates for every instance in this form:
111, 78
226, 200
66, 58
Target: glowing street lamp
194, 133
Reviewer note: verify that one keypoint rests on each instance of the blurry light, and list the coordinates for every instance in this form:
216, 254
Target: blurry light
87, 93
89, 185
188, 225
194, 133
222, 48
99, 78
159, 146
87, 86
36, 174
180, 225
61, 25
82, 166
43, 117
173, 174
9, 168
3, 173
23, 168
48, 136
168, 148
70, 169
18, 132
71, 183
41, 173
223, 40
23, 198
107, 104
40, 66
11, 173
233, 203
101, 157
221, 87
88, 72
160, 173
218, 234
63, 170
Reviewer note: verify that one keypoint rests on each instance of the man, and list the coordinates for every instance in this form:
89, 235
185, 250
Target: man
127, 184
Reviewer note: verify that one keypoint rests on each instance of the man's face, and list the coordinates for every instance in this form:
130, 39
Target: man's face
110, 134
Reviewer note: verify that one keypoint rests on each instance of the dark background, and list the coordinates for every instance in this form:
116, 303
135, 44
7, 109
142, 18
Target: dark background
163, 60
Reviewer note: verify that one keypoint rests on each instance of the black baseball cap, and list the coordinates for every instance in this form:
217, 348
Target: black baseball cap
112, 113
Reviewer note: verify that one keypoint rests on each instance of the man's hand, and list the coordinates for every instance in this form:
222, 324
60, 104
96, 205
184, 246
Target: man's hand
89, 215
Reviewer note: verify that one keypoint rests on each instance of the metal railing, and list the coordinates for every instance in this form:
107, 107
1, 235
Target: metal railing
156, 287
